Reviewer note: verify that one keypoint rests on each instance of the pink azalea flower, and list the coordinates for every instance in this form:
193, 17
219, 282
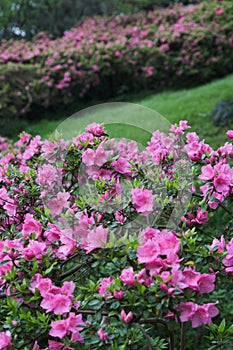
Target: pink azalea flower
53, 234
57, 204
10, 207
127, 276
206, 283
118, 295
59, 329
44, 285
35, 250
68, 288
31, 226
36, 346
96, 238
221, 183
47, 175
47, 150
179, 130
101, 156
218, 243
95, 129
103, 335
3, 195
70, 325
219, 11
201, 217
54, 345
122, 166
74, 321
105, 282
230, 134
119, 217
5, 339
190, 278
67, 247
85, 137
97, 158
143, 278
146, 253
58, 303
207, 173
76, 336
197, 314
88, 157
147, 234
143, 200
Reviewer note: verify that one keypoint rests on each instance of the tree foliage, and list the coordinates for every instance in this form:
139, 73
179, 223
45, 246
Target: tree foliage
26, 18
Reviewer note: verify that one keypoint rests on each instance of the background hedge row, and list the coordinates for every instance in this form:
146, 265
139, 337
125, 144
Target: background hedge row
179, 46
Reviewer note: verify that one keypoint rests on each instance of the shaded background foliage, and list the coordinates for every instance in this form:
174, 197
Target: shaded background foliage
26, 18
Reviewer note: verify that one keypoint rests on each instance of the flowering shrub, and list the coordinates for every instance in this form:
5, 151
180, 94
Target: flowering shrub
173, 47
76, 269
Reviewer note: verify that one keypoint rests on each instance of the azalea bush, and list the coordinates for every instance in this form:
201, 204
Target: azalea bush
106, 246
104, 57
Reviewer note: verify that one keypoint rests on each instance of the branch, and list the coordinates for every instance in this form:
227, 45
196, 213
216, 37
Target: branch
76, 268
219, 203
170, 331
147, 338
28, 105
182, 336
141, 321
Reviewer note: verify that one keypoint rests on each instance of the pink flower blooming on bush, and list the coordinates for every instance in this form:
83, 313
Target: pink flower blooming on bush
127, 276
69, 325
197, 314
101, 269
143, 200
103, 335
230, 134
5, 339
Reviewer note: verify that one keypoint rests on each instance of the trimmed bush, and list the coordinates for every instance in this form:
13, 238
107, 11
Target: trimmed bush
105, 57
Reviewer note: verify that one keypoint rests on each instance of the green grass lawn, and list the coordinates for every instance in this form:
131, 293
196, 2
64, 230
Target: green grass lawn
193, 105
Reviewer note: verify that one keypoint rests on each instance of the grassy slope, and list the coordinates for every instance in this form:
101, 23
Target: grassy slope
192, 105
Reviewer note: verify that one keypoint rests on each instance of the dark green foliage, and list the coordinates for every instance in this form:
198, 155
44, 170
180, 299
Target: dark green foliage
26, 18
50, 16
15, 92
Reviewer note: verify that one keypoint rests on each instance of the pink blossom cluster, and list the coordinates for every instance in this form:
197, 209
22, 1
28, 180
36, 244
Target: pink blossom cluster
197, 314
56, 300
57, 244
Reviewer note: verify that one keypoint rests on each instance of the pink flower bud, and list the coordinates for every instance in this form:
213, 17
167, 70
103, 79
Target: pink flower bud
126, 318
230, 134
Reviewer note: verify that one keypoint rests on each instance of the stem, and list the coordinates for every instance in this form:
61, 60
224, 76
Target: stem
147, 338
92, 312
30, 342
170, 331
182, 336
75, 269
219, 203
70, 258
132, 263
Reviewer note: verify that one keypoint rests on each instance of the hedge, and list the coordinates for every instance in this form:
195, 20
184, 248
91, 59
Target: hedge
180, 46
